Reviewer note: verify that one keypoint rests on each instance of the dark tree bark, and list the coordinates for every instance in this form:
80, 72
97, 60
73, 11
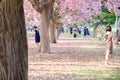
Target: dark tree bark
13, 41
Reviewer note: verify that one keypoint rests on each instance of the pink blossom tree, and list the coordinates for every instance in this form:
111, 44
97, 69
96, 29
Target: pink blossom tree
32, 17
78, 10
113, 6
81, 11
67, 11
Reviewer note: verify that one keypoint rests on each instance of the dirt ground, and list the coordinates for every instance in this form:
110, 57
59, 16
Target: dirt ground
68, 58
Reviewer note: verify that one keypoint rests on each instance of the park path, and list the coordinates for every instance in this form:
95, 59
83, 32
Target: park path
66, 57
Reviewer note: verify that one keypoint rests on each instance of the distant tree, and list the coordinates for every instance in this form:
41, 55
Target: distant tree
53, 29
106, 17
113, 6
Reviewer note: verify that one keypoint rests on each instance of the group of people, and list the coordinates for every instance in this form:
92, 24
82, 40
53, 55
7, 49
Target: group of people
107, 37
78, 30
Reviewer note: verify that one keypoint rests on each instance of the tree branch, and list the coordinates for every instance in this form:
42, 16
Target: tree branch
47, 2
36, 5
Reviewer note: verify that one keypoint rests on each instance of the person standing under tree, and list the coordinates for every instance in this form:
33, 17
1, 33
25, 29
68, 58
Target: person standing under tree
99, 33
37, 36
85, 32
71, 30
109, 44
75, 34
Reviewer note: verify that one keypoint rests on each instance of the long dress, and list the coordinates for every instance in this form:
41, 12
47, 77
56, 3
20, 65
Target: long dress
109, 43
37, 36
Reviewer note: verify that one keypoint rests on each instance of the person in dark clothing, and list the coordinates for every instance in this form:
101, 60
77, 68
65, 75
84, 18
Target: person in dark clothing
37, 36
75, 34
79, 30
85, 31
88, 33
71, 30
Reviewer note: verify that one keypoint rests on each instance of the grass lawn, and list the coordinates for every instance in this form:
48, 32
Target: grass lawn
73, 59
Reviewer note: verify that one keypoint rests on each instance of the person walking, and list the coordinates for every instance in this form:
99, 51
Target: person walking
37, 36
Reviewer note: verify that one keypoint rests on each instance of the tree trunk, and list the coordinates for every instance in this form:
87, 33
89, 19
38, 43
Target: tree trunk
116, 40
94, 31
52, 31
59, 29
13, 41
45, 40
